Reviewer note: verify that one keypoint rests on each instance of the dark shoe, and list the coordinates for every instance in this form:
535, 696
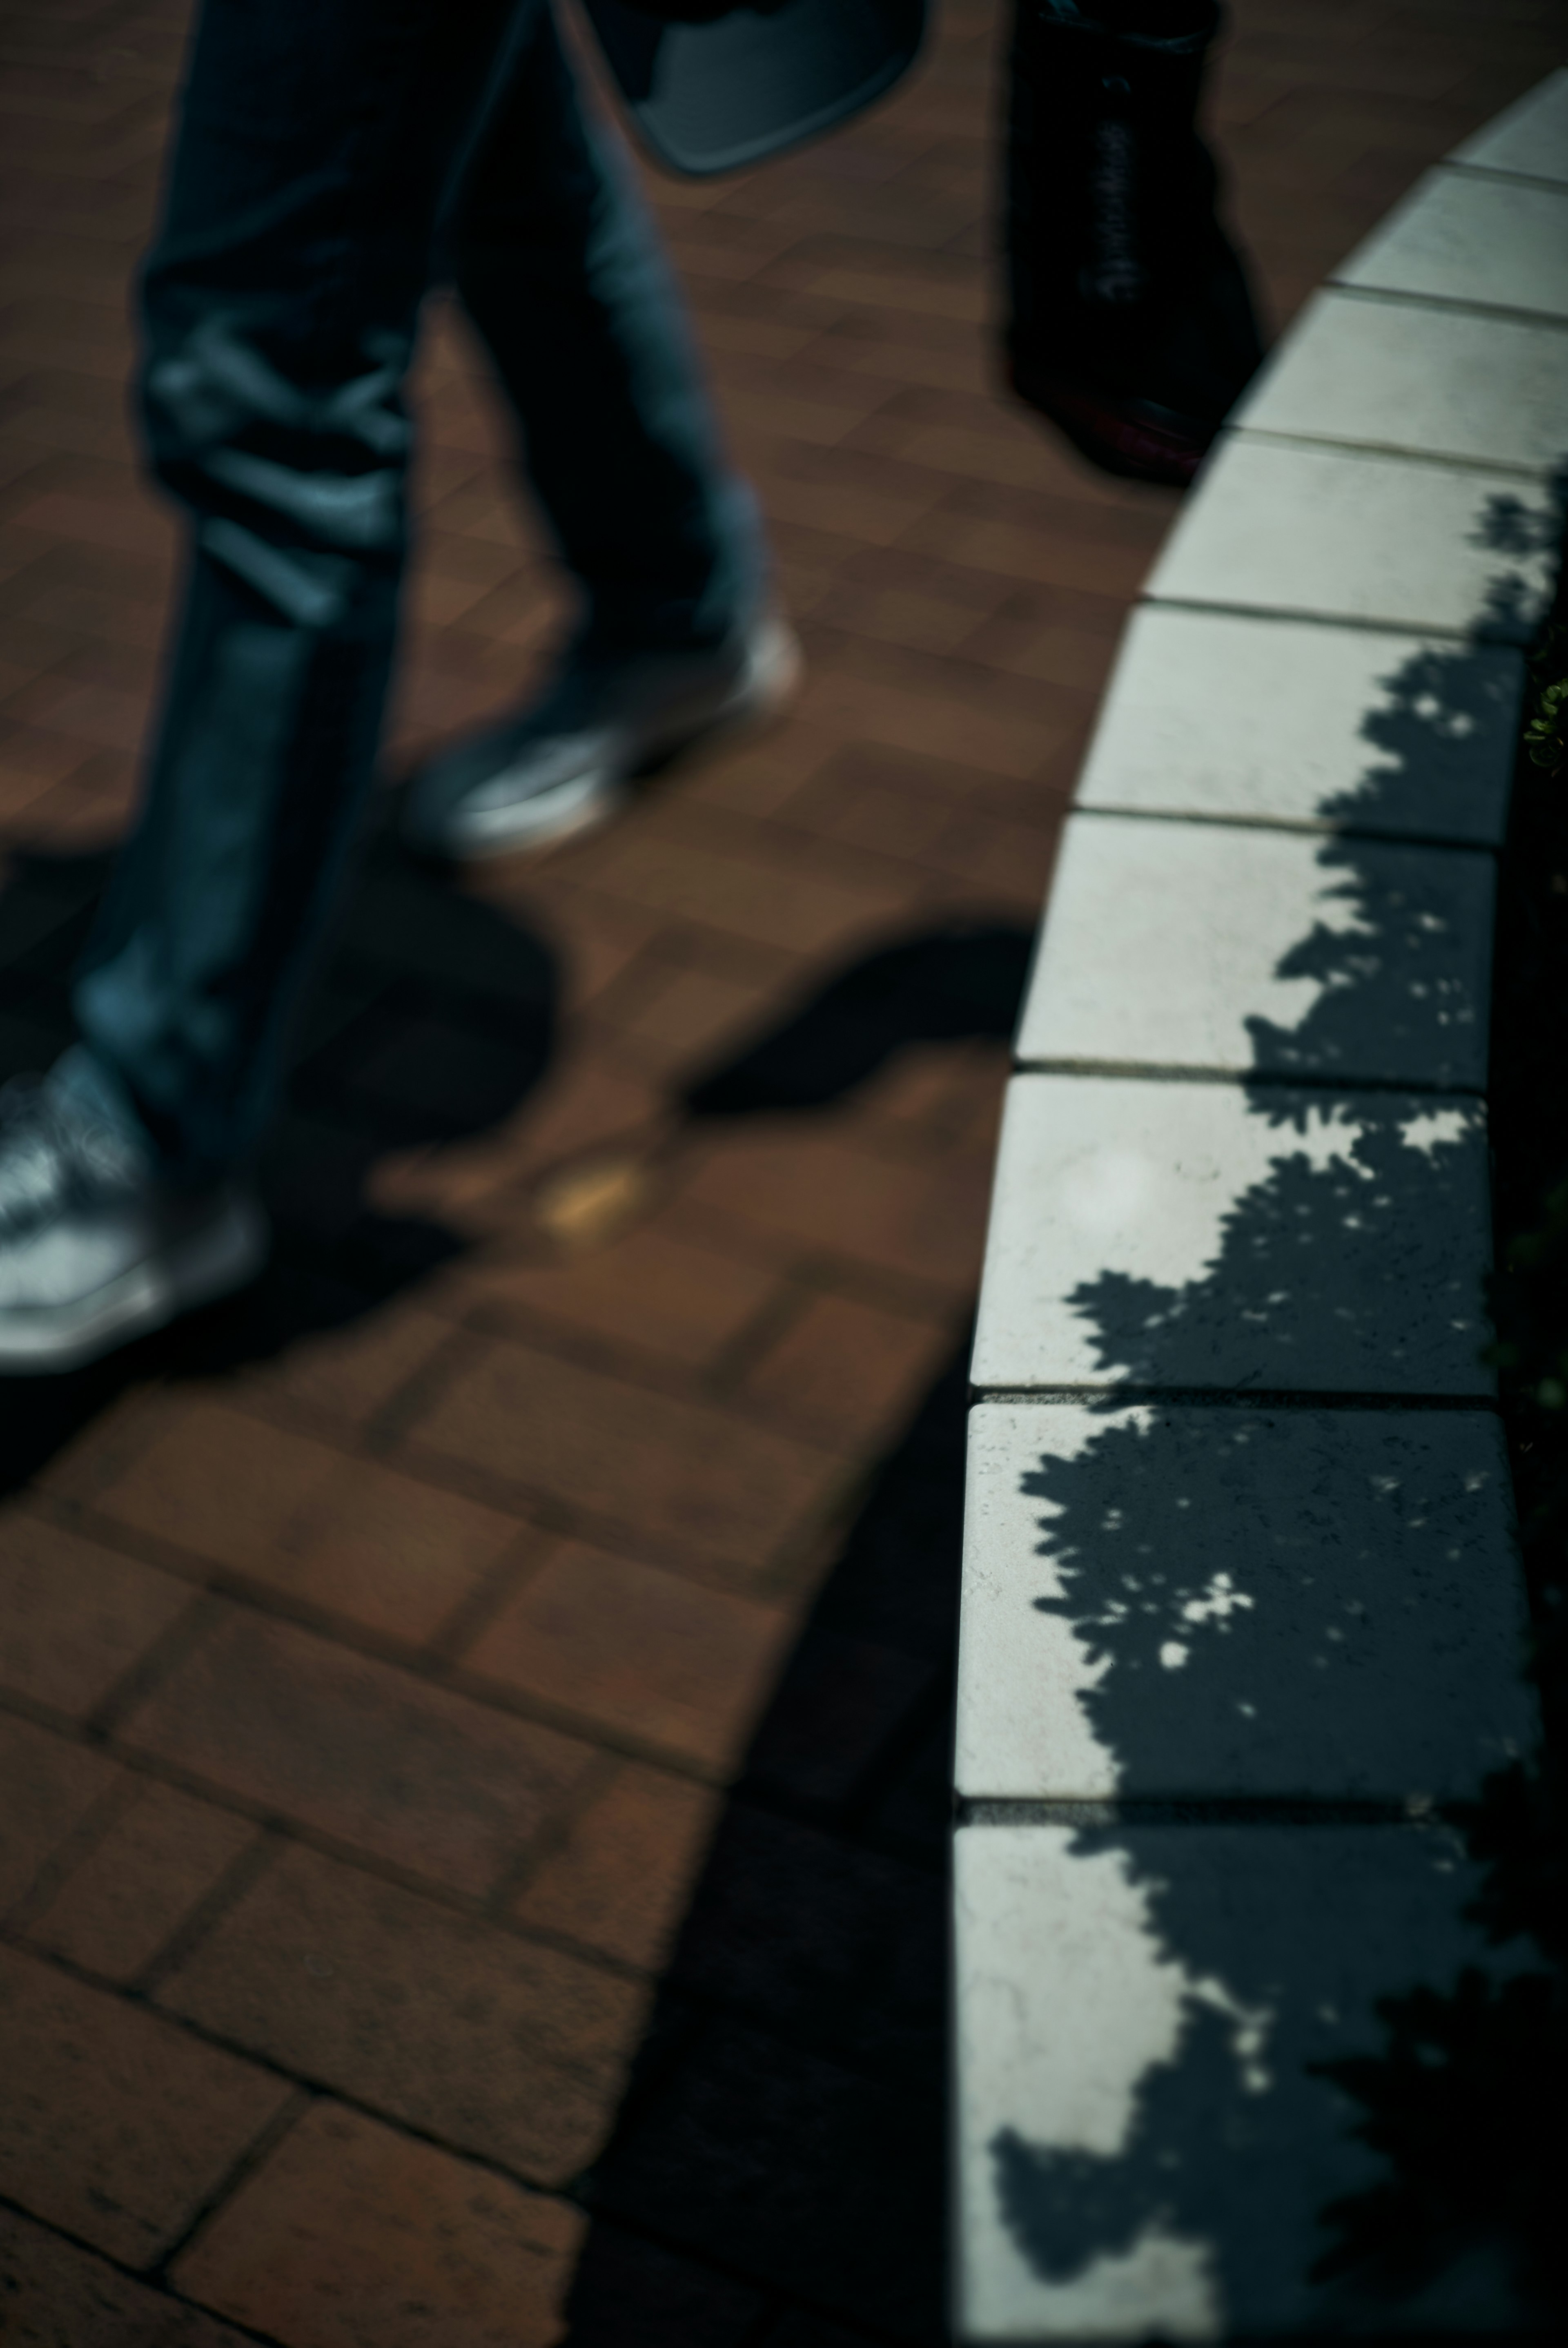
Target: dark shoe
568, 761
1133, 327
94, 1251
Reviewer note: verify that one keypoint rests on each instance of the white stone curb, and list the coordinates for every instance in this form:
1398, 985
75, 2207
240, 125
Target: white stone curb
1241, 1606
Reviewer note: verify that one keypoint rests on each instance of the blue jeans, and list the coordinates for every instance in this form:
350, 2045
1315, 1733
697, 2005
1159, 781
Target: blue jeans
336, 156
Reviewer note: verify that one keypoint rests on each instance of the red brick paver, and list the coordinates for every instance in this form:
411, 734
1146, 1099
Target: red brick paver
78, 1616
352, 2232
373, 1759
637, 1652
496, 2045
163, 1853
117, 2125
376, 1653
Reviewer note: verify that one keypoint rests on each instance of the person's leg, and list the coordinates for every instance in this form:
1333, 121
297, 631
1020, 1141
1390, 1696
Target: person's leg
1131, 324
559, 266
317, 140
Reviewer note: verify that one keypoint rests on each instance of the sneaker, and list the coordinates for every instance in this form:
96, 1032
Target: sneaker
94, 1251
569, 760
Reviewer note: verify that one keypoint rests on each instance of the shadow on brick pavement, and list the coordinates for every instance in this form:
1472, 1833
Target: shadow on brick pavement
777, 2171
782, 2136
435, 1019
777, 2168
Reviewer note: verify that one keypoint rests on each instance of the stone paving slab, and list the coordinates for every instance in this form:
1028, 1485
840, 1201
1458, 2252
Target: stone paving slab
1529, 139
1182, 1235
1460, 236
1148, 2142
1340, 534
1175, 1603
1222, 949
1211, 715
1215, 1661
1410, 376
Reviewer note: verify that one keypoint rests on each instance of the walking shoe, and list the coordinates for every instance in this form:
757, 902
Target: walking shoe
95, 1251
569, 760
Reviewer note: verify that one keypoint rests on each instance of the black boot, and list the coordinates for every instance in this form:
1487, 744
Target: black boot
1132, 323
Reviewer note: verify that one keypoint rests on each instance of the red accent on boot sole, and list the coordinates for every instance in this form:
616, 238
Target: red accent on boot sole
1116, 437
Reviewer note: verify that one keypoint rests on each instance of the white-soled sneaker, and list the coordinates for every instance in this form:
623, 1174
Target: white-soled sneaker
94, 1251
569, 760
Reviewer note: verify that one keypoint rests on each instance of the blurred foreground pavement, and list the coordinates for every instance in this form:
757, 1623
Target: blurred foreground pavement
507, 1656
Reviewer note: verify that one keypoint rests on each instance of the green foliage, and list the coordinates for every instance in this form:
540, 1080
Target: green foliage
1531, 1307
1546, 734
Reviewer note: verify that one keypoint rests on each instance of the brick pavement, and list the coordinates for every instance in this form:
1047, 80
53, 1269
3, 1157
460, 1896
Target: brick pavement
481, 1670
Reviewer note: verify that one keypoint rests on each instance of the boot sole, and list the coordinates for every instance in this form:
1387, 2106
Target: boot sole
1117, 438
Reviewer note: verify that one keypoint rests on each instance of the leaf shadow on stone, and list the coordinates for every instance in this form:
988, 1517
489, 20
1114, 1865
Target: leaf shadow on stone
1441, 2098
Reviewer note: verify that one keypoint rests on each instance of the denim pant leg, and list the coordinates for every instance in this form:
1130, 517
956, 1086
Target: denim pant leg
561, 270
318, 142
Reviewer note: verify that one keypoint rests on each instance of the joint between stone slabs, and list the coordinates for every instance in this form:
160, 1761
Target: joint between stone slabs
1250, 435
1507, 310
1394, 452
1395, 297
1303, 827
1198, 1809
1127, 1397
1252, 1079
1309, 616
1505, 179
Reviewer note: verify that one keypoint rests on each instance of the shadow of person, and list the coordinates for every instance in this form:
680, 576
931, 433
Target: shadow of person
435, 1018
961, 982
1311, 2178
783, 2140
782, 2143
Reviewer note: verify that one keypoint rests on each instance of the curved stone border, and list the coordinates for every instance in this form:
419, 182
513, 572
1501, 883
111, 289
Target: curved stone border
1241, 1605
